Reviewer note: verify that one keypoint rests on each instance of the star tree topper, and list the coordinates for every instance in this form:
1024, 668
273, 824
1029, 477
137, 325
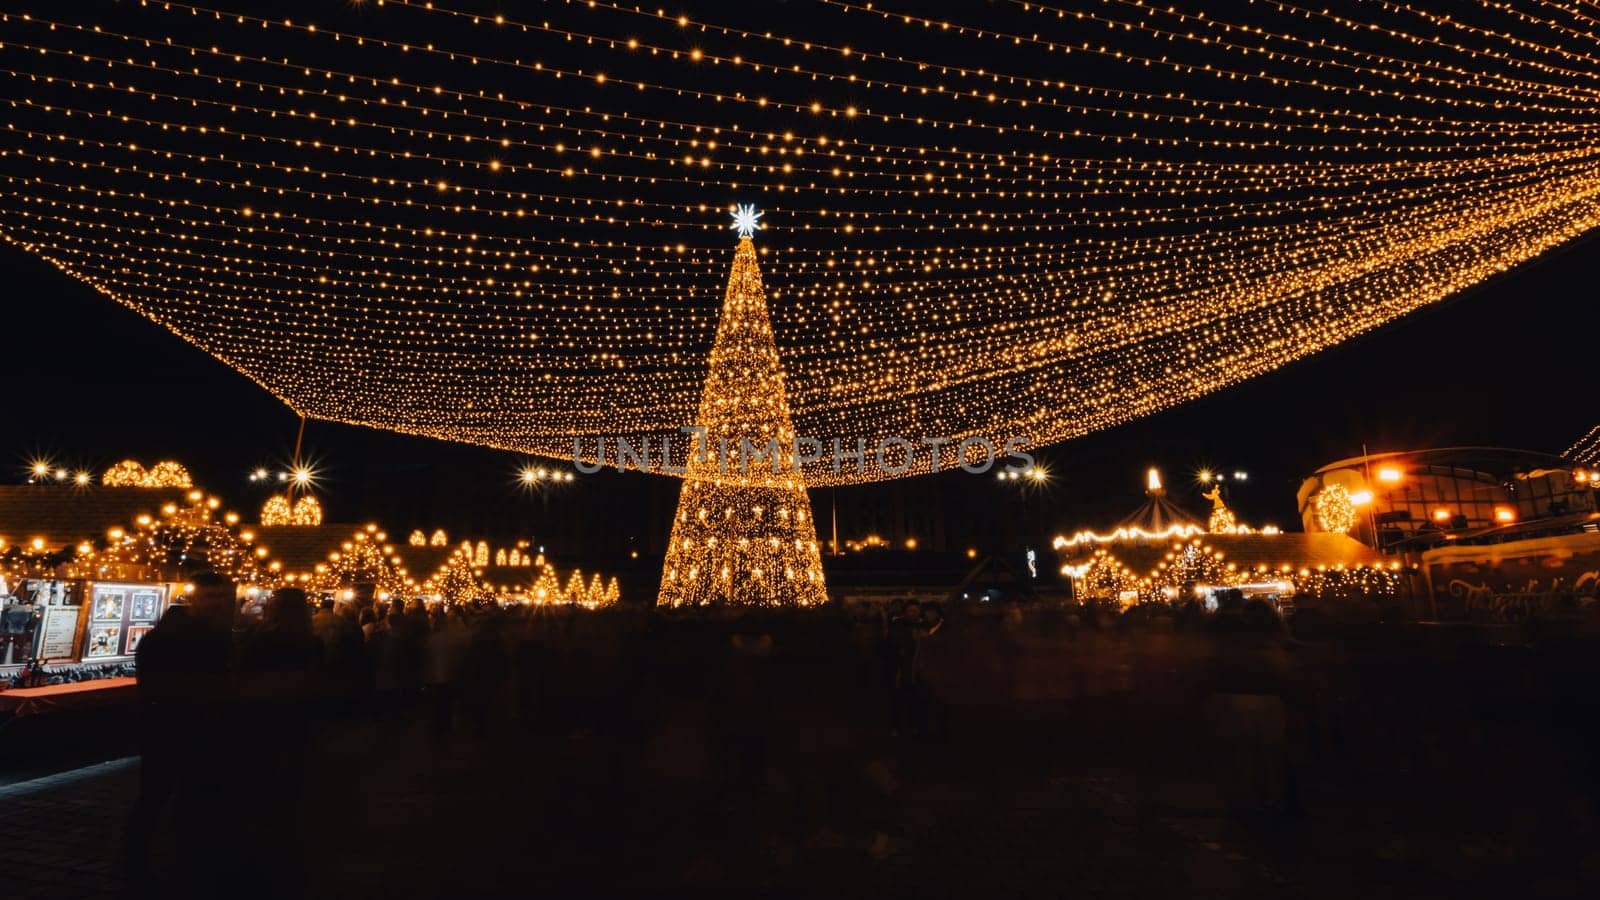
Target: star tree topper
745, 219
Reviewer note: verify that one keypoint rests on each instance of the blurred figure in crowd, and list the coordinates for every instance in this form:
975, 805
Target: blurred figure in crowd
277, 687
187, 697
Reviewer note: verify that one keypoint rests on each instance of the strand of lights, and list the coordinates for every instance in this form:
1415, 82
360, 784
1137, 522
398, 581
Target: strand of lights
1306, 115
180, 539
363, 559
1014, 220
1407, 69
847, 112
1309, 119
1178, 66
1586, 449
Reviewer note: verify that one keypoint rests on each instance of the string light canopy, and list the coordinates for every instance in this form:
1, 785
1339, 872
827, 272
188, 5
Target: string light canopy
1027, 220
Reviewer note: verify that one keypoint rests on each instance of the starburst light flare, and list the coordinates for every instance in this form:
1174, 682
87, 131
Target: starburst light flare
745, 220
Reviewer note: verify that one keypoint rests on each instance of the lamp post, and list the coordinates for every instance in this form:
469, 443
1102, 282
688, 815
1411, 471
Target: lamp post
1029, 481
541, 480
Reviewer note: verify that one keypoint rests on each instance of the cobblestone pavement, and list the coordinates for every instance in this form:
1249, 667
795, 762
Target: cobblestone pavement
62, 833
392, 813
474, 819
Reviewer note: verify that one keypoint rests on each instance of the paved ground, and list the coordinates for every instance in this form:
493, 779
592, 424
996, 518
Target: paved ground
482, 819
62, 833
393, 813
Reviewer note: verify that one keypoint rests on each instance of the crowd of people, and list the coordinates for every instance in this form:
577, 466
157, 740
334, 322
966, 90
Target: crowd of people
232, 695
231, 690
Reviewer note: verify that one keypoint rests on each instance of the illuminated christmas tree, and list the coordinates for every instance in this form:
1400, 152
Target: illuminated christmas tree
457, 581
743, 532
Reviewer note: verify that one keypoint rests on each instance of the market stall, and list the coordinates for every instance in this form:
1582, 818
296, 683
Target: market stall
69, 631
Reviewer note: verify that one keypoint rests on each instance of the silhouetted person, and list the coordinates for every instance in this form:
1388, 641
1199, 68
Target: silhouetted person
928, 708
485, 671
441, 668
276, 671
1250, 676
325, 612
343, 654
904, 633
744, 707
186, 694
383, 648
367, 621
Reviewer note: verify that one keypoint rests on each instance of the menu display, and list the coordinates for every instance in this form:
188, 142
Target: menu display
120, 616
58, 632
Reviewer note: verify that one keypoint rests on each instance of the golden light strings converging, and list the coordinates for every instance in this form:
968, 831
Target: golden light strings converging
1028, 219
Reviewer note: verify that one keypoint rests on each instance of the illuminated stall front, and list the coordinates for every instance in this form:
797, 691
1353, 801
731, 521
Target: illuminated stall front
1162, 554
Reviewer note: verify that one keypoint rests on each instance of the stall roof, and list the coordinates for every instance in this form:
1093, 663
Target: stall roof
64, 514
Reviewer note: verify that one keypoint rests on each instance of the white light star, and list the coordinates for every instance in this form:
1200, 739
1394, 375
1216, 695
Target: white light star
744, 220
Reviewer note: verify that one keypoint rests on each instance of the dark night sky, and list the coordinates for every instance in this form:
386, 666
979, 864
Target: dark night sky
1507, 363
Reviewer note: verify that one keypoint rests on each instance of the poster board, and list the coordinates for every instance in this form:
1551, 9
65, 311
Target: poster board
58, 634
120, 615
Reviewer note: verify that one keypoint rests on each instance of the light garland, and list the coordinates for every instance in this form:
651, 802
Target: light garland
306, 511
363, 559
1586, 449
1335, 511
179, 540
1192, 562
1086, 537
130, 473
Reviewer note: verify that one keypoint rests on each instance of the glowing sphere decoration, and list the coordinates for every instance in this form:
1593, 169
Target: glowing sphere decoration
1335, 510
